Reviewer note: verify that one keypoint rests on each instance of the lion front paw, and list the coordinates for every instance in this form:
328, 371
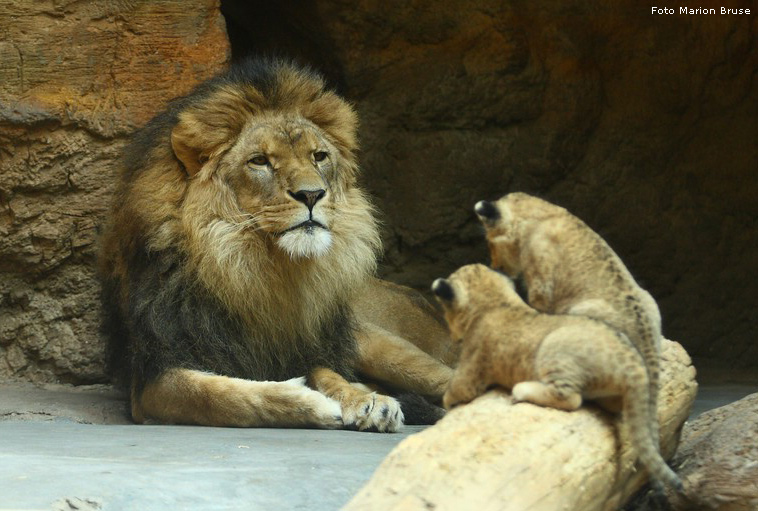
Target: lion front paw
314, 408
373, 412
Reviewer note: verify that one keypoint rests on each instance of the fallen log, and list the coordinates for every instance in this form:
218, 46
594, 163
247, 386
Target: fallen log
495, 455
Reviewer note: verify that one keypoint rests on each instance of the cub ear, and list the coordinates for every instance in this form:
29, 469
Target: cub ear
487, 212
187, 146
443, 290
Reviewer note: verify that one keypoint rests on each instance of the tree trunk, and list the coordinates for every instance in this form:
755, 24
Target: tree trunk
492, 454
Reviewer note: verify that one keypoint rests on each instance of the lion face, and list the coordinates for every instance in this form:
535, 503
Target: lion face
273, 161
257, 190
285, 173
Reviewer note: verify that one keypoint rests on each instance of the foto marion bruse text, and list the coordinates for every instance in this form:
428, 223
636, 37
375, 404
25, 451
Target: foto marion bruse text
698, 10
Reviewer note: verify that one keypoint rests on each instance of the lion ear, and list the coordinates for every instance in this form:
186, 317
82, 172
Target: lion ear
187, 148
334, 115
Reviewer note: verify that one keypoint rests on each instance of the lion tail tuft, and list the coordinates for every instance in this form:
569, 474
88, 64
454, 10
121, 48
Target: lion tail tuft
417, 410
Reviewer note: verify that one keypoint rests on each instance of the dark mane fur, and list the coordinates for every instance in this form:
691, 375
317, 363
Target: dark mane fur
173, 322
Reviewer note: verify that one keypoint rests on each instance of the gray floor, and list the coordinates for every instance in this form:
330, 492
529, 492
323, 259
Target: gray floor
173, 467
53, 457
714, 395
69, 448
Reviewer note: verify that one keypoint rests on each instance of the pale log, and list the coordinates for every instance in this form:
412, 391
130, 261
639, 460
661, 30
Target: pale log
495, 455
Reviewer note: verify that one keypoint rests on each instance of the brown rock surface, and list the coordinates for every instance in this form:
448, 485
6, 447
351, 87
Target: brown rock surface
492, 454
718, 459
76, 79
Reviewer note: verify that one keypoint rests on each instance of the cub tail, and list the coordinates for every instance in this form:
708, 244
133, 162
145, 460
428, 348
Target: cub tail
642, 428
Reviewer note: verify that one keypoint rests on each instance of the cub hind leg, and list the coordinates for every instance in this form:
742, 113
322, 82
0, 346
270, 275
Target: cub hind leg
559, 369
554, 394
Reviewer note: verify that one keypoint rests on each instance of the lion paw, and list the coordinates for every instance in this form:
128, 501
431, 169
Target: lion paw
316, 409
373, 412
327, 412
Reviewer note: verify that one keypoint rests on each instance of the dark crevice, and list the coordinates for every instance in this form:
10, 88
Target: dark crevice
286, 29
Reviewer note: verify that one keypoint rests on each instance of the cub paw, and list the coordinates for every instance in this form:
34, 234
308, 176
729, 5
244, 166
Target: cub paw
522, 392
545, 395
449, 401
457, 397
373, 412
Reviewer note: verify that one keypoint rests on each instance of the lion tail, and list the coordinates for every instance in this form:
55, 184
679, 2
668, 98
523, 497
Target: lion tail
417, 410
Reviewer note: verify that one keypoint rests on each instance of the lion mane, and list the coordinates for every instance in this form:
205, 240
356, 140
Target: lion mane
196, 274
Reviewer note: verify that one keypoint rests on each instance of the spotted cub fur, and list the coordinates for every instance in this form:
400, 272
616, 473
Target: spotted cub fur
547, 359
570, 269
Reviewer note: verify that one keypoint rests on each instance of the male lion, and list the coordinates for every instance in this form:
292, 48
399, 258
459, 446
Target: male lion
238, 257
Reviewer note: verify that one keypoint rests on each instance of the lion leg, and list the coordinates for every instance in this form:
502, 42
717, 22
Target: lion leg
388, 358
184, 396
361, 408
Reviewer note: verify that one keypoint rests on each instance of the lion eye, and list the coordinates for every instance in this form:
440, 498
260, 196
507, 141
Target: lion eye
320, 155
259, 160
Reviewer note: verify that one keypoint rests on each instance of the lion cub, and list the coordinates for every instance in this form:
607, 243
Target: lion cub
570, 269
550, 360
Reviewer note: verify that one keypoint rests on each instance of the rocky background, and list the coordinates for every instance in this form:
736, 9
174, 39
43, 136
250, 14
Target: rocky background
76, 78
646, 126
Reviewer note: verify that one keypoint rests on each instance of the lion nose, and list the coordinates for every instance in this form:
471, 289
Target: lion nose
308, 197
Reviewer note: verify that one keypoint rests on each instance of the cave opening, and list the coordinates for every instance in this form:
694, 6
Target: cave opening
287, 29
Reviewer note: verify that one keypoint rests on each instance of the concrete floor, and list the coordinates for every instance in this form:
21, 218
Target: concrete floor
66, 449
181, 467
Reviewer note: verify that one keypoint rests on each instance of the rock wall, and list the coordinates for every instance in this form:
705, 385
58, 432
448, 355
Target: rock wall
643, 125
76, 78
